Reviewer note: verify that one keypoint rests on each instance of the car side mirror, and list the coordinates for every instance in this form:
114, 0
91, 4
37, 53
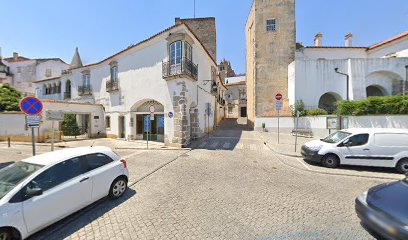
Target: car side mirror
33, 192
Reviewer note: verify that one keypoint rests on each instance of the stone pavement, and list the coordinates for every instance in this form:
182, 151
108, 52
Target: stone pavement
217, 192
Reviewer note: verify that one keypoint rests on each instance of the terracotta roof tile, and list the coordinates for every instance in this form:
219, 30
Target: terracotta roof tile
388, 41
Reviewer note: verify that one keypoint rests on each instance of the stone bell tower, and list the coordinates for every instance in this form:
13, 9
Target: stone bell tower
270, 48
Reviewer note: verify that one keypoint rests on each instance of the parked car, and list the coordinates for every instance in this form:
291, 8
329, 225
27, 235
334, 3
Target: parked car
376, 147
41, 190
384, 210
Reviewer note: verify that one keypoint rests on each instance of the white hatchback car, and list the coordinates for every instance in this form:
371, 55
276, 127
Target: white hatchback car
376, 147
41, 190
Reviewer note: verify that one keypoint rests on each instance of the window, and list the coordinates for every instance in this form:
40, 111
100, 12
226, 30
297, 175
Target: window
358, 140
58, 174
97, 160
48, 73
114, 73
188, 51
86, 79
175, 52
231, 110
271, 25
15, 173
107, 122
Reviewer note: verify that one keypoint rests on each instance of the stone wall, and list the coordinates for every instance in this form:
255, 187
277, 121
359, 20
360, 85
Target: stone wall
205, 30
181, 121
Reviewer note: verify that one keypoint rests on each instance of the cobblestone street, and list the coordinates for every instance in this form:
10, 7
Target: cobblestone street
216, 191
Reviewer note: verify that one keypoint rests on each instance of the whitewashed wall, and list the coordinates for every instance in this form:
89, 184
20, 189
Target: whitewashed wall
318, 125
13, 124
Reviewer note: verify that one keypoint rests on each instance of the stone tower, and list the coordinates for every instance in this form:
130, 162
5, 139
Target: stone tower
270, 49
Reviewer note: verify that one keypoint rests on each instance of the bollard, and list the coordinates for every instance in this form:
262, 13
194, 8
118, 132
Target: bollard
8, 142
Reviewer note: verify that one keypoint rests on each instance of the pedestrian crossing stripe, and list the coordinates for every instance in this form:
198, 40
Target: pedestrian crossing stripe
226, 145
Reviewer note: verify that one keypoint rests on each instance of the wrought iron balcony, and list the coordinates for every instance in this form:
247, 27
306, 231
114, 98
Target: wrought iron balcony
84, 90
185, 68
112, 85
67, 95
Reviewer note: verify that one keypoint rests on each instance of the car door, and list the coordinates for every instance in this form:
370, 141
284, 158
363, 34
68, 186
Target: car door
103, 170
356, 150
66, 189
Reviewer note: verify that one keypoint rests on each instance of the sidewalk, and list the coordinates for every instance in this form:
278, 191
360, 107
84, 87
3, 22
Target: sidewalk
286, 144
112, 143
286, 154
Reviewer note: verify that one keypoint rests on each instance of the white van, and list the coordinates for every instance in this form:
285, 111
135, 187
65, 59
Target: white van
377, 147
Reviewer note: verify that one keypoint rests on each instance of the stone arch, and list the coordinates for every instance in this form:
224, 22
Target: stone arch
328, 100
376, 91
143, 106
389, 82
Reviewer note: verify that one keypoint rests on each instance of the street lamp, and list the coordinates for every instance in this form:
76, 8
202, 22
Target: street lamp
348, 81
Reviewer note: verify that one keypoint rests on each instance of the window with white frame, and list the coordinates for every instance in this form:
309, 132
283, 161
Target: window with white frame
271, 25
86, 79
114, 73
48, 72
176, 52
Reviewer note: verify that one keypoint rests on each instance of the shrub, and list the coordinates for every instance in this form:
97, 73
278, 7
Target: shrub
299, 106
316, 112
70, 126
374, 105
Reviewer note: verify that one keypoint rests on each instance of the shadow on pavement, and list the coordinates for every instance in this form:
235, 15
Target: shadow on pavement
225, 137
80, 219
358, 168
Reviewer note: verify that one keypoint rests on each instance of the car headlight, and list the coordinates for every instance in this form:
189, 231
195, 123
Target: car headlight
315, 148
363, 198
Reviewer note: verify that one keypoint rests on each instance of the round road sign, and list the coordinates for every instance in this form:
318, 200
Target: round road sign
278, 97
31, 105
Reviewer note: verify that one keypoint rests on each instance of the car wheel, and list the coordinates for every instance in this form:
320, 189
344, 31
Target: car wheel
402, 166
5, 234
331, 161
118, 188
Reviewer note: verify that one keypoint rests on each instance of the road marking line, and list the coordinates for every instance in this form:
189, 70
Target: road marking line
307, 167
226, 145
133, 154
202, 145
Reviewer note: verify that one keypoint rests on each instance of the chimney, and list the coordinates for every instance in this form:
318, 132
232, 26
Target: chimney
15, 56
177, 20
318, 41
349, 40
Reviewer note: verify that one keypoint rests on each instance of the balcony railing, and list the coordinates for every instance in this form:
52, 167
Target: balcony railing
84, 90
186, 67
67, 95
112, 85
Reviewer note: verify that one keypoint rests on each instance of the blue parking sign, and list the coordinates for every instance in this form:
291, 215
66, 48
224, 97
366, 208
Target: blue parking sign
147, 123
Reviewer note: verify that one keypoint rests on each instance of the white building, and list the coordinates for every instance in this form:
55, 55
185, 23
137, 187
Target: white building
174, 71
25, 71
236, 97
377, 70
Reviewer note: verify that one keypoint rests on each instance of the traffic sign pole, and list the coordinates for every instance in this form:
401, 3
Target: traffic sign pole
278, 126
33, 140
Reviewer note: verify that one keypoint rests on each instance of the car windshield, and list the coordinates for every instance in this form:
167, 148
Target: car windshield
336, 137
15, 173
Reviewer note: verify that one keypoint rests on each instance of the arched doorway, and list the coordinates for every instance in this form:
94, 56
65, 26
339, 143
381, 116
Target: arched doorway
375, 91
146, 125
328, 100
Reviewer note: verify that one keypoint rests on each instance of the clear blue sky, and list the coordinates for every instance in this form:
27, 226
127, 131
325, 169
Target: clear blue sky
53, 28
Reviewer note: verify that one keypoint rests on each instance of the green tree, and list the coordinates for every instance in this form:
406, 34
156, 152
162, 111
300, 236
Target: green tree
70, 126
9, 98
